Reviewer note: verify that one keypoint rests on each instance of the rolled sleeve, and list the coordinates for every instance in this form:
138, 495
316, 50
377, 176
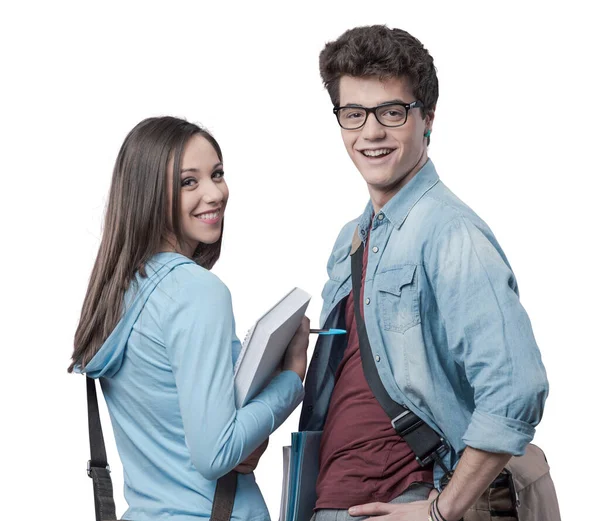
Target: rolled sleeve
490, 336
494, 433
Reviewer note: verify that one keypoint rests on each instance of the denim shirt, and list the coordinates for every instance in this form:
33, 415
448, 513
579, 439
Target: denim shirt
449, 335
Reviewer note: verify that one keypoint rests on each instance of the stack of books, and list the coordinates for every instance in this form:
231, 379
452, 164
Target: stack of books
300, 473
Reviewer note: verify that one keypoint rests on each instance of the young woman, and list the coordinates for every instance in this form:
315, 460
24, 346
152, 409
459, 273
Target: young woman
157, 328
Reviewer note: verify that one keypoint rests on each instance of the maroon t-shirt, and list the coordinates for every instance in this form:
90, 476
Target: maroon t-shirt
362, 458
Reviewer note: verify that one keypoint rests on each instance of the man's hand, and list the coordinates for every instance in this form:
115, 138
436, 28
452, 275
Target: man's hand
415, 511
251, 462
475, 471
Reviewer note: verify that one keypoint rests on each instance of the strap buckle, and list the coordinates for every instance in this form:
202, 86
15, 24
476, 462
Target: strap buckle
397, 419
432, 447
436, 455
89, 468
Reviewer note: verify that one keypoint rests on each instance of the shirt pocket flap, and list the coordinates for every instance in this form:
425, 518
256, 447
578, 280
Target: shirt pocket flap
393, 280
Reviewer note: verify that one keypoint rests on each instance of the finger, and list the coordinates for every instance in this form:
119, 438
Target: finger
370, 509
260, 450
300, 331
433, 494
303, 328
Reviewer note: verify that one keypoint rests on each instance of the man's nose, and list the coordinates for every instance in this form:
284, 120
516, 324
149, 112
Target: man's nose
372, 129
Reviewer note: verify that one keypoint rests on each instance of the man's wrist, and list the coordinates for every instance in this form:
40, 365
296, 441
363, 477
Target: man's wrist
430, 513
437, 513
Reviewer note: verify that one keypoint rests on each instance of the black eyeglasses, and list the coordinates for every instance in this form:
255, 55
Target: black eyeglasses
390, 114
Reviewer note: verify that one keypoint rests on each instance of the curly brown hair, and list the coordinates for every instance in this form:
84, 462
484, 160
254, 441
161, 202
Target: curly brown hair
377, 50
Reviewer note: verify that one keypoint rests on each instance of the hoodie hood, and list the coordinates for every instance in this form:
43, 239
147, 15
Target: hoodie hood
109, 358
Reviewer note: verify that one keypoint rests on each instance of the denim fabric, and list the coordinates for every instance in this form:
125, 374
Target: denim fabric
416, 492
451, 339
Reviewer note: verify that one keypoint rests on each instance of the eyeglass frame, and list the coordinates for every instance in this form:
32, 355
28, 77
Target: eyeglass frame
373, 110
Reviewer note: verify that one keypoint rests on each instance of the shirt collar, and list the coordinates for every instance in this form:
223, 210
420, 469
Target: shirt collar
398, 207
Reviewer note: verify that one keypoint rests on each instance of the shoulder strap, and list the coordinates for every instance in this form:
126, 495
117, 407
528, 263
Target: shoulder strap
98, 468
427, 445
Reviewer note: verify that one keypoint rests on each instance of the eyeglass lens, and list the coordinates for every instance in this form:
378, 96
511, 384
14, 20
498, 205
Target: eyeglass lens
388, 115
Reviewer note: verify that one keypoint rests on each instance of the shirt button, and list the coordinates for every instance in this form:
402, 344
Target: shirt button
367, 301
380, 217
375, 249
377, 358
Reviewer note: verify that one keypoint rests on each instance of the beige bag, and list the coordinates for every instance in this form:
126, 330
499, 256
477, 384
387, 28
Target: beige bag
524, 491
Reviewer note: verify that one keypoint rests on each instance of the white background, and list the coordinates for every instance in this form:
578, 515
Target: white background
515, 136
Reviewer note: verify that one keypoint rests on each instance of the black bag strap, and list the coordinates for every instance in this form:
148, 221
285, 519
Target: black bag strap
99, 470
224, 497
427, 444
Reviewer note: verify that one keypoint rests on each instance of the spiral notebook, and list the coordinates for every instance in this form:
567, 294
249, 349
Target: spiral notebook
265, 344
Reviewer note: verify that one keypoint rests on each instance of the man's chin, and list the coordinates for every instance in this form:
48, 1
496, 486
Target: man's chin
379, 180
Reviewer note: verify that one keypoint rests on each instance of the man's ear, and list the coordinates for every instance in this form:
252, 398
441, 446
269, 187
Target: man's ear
429, 117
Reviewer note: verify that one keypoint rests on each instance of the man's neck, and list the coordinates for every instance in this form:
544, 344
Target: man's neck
380, 198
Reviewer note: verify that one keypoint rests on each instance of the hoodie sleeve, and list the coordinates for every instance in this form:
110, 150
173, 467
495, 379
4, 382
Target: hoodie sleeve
199, 335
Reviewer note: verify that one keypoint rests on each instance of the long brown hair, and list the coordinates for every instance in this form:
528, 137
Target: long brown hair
135, 225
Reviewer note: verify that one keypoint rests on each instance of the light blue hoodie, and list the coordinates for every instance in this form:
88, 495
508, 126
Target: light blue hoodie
167, 376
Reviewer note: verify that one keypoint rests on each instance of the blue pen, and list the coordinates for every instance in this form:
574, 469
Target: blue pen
329, 331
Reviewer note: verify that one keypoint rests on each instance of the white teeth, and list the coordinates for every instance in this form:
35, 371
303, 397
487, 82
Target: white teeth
208, 216
377, 153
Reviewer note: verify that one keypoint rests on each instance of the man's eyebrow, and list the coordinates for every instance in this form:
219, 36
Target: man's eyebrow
197, 170
358, 105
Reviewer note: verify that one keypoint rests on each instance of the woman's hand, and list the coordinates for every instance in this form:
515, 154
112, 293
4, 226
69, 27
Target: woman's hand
295, 355
251, 462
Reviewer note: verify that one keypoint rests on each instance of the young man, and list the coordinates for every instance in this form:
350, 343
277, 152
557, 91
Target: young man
449, 337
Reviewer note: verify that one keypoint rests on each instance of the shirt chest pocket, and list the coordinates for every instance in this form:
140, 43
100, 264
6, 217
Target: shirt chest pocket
398, 298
